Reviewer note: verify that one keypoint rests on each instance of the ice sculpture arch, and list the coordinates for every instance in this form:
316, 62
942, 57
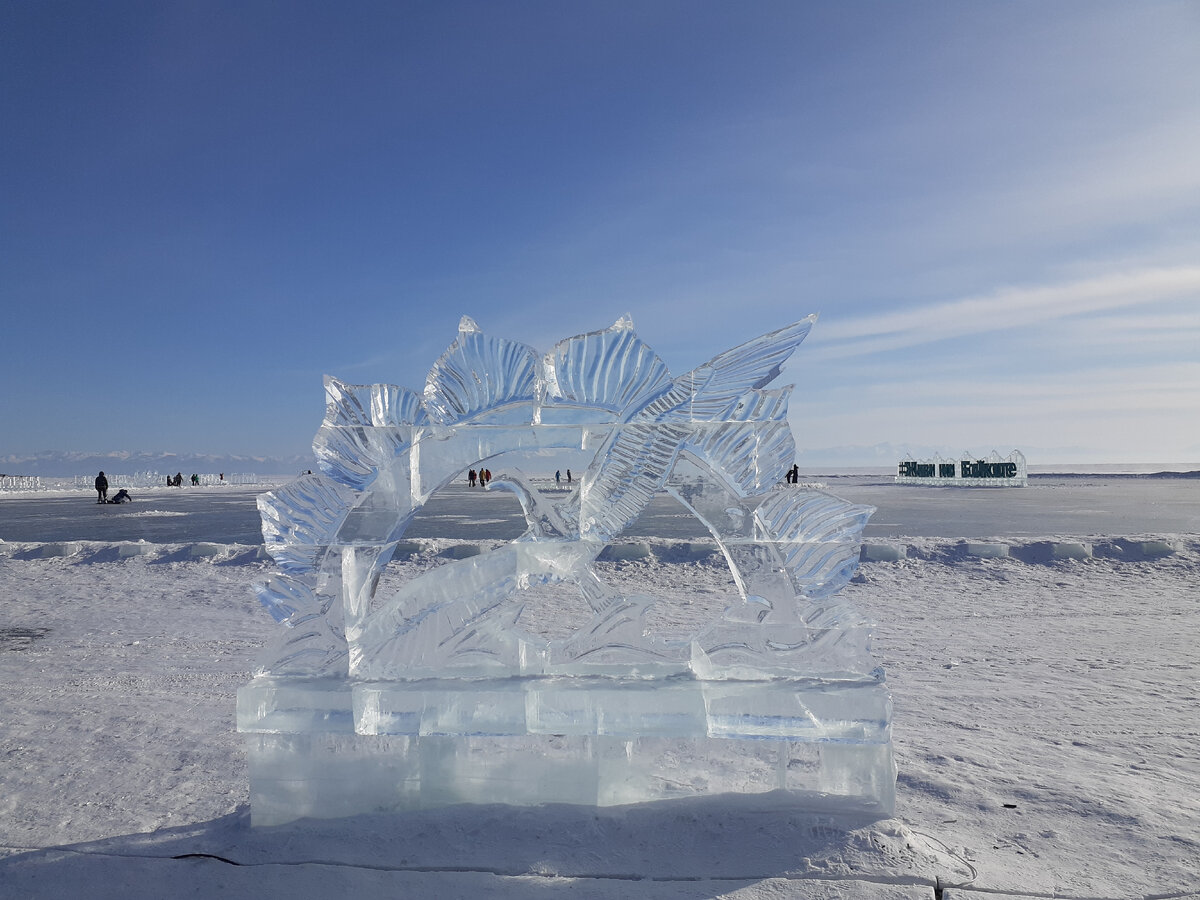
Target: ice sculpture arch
385, 450
716, 438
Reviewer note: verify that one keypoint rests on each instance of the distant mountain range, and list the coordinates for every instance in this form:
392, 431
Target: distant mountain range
51, 463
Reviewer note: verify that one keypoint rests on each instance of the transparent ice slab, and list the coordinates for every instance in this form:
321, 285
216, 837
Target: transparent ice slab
528, 742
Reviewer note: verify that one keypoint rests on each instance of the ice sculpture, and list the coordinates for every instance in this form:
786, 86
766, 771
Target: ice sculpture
437, 693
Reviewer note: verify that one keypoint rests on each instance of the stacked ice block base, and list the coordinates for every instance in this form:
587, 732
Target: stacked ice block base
328, 748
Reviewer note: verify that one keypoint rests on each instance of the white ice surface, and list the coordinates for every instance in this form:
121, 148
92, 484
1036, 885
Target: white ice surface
1046, 725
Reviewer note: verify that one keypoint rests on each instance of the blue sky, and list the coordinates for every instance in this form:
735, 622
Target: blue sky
994, 207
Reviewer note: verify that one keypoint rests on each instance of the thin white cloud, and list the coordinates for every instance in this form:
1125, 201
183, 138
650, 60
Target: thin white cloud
1187, 324
1004, 309
1141, 176
1165, 385
1131, 408
1147, 174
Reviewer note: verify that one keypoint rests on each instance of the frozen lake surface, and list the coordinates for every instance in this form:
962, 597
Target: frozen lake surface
1079, 505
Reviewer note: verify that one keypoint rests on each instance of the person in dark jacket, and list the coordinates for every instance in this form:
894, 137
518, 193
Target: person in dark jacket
101, 488
121, 497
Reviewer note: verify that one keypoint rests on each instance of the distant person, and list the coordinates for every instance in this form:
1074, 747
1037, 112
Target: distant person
568, 476
557, 477
485, 475
101, 488
122, 496
195, 480
178, 479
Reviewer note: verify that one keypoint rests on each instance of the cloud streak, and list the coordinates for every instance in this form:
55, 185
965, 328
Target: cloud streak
1004, 309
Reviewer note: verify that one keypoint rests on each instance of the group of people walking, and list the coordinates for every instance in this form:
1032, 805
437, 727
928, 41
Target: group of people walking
483, 476
176, 480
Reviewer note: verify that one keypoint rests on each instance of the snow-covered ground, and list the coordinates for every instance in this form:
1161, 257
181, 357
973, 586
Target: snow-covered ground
1047, 713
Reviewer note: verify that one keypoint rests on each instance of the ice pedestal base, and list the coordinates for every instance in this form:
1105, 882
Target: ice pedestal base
327, 749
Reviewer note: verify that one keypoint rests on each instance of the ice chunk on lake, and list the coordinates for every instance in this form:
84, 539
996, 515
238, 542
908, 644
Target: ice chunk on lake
471, 701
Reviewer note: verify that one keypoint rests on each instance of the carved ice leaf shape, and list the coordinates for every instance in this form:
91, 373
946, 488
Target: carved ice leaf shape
753, 450
346, 404
636, 462
613, 369
285, 596
300, 519
357, 439
310, 648
637, 459
483, 379
313, 643
713, 390
393, 406
818, 534
424, 626
544, 519
615, 639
